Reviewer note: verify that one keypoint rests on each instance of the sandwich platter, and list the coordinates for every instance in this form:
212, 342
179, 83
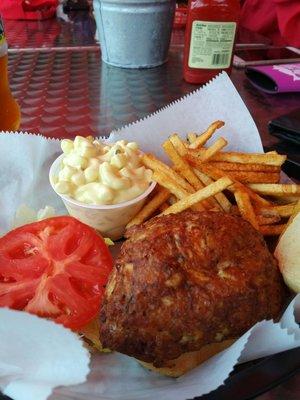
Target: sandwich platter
266, 346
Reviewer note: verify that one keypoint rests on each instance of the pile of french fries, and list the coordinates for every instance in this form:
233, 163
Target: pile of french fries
207, 178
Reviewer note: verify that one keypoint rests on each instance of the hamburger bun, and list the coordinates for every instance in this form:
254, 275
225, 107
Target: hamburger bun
287, 253
188, 361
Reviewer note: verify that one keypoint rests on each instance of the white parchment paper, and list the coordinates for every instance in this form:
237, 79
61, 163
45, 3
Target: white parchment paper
24, 165
218, 100
37, 355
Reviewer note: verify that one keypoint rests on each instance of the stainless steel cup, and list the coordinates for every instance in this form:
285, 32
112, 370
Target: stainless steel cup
134, 33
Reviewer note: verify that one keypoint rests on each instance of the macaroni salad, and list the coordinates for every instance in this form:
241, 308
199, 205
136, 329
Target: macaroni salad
95, 173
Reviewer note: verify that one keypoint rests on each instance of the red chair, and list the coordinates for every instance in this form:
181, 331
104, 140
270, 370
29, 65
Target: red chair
28, 9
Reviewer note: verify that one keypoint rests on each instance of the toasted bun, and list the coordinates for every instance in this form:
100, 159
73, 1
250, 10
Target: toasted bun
288, 254
90, 334
188, 361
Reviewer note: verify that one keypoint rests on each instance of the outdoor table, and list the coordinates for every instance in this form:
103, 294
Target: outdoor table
64, 89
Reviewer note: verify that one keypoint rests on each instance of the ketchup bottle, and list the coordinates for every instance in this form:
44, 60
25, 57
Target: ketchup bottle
209, 38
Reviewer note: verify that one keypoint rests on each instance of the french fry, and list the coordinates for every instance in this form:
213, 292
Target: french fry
173, 187
178, 144
163, 206
285, 210
212, 201
241, 176
214, 148
199, 196
242, 158
160, 198
191, 137
245, 207
220, 197
253, 196
205, 136
296, 211
185, 170
167, 182
272, 230
267, 212
284, 200
255, 177
232, 166
199, 175
262, 219
272, 219
234, 210
216, 173
270, 189
215, 209
172, 199
156, 165
182, 165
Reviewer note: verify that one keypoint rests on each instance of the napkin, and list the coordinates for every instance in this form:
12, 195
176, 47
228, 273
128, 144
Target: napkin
218, 100
24, 164
36, 355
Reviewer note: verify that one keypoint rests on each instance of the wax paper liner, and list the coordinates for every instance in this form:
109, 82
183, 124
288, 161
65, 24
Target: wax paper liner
263, 339
37, 355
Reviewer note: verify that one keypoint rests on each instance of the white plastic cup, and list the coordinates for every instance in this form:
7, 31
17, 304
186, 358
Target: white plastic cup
134, 33
109, 220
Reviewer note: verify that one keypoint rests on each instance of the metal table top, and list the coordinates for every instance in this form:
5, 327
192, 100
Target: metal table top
64, 89
62, 93
75, 30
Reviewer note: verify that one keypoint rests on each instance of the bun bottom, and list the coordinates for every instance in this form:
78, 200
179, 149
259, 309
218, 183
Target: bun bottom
188, 361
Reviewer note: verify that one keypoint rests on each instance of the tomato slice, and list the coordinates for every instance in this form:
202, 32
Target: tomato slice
56, 268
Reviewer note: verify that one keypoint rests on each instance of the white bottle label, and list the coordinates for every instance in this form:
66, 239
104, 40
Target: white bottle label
211, 44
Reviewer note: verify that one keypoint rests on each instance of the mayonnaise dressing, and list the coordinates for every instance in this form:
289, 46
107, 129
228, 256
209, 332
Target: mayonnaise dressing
96, 173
